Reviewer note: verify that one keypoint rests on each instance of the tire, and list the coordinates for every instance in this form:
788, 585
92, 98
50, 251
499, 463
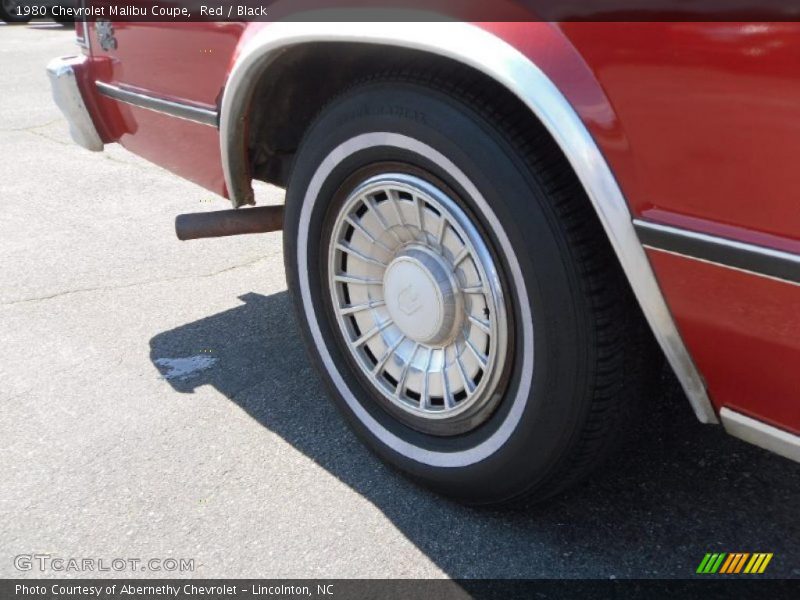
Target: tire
7, 12
567, 352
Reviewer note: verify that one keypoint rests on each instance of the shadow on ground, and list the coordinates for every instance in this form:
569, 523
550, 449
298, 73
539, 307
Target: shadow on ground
677, 490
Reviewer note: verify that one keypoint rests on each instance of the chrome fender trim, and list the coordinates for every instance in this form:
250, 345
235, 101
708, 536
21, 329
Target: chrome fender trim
761, 434
489, 54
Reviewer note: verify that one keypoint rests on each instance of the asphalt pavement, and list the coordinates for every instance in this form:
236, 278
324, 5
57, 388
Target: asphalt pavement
156, 402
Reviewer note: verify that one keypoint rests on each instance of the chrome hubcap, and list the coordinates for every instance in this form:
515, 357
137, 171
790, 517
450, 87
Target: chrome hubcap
417, 297
422, 296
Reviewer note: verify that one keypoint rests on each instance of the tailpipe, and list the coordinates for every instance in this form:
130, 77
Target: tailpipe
222, 223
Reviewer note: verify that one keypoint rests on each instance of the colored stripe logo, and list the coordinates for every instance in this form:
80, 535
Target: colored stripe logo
734, 563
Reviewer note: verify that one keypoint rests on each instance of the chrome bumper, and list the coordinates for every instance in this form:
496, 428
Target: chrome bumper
68, 98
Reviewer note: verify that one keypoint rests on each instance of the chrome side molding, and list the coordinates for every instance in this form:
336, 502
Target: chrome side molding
760, 434
181, 110
723, 252
481, 50
68, 98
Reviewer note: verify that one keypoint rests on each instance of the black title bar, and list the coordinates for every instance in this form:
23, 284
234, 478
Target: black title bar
419, 10
708, 588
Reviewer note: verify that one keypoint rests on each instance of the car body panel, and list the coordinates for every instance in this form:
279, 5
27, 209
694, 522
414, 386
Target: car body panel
181, 62
708, 113
711, 116
742, 332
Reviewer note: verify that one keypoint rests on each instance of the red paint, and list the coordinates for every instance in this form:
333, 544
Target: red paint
698, 121
711, 114
743, 332
180, 60
177, 145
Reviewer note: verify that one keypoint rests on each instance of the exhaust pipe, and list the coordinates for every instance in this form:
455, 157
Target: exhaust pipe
222, 223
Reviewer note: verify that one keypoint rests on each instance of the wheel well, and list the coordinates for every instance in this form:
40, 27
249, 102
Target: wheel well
300, 82
305, 78
280, 85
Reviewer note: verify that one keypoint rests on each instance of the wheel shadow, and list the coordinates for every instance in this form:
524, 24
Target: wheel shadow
677, 490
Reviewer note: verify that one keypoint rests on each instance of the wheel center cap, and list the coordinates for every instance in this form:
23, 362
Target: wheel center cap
419, 296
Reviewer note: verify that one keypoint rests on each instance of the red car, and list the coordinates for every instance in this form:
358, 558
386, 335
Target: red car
494, 232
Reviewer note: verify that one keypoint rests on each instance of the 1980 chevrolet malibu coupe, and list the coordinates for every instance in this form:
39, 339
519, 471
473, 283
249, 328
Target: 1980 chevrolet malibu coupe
494, 232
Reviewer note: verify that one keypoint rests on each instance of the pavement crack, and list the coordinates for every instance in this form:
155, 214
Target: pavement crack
47, 137
104, 288
128, 163
30, 127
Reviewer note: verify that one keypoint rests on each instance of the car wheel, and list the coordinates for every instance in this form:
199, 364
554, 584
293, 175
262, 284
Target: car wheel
8, 12
457, 293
